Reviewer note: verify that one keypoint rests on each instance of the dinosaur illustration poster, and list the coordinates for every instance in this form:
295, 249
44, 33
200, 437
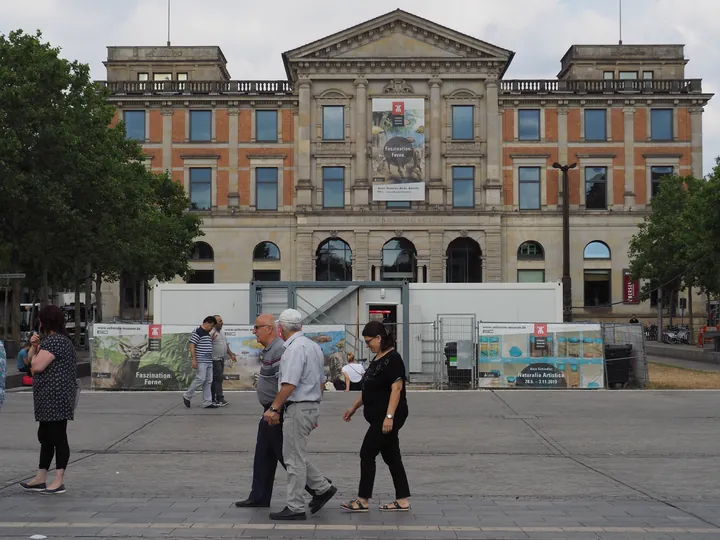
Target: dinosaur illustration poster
398, 149
157, 357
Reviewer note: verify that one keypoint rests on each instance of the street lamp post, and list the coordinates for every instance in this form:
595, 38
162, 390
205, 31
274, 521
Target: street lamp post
566, 280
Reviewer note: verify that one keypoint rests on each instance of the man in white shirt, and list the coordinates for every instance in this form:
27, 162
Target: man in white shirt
302, 374
220, 353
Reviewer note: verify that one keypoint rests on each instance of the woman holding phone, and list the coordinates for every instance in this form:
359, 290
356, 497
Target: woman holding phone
52, 359
386, 410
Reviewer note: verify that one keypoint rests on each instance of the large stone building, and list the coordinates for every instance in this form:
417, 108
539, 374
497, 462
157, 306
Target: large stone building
396, 150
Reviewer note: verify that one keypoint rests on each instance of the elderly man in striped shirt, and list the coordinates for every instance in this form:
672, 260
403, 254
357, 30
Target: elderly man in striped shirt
201, 349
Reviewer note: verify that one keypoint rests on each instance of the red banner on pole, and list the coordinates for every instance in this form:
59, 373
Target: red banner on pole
631, 289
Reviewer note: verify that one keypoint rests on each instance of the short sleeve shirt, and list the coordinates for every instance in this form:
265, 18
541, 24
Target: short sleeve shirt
354, 372
203, 344
377, 387
303, 366
54, 389
267, 385
219, 345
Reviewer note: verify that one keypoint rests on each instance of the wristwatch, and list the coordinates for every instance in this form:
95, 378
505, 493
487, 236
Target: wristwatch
273, 409
389, 416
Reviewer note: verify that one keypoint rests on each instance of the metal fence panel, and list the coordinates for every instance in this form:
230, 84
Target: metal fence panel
634, 335
458, 334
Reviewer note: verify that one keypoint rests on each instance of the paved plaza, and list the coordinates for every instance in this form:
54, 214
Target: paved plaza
507, 464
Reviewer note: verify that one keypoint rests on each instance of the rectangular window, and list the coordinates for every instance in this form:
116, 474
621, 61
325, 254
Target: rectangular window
656, 174
333, 123
648, 75
200, 188
596, 188
200, 126
266, 188
595, 124
398, 204
597, 288
201, 276
134, 125
462, 122
266, 275
463, 189
182, 76
162, 76
143, 77
266, 126
333, 187
529, 188
529, 124
531, 276
628, 75
608, 75
661, 124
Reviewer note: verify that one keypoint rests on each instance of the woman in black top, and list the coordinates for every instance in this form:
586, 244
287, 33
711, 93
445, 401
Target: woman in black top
54, 388
385, 409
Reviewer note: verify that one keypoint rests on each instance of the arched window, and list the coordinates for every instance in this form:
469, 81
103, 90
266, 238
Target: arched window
596, 250
202, 252
464, 261
266, 251
399, 261
531, 251
333, 261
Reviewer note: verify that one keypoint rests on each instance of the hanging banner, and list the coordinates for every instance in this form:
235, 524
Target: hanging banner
398, 149
551, 356
157, 357
631, 289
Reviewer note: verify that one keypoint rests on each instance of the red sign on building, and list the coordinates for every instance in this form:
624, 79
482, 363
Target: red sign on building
631, 289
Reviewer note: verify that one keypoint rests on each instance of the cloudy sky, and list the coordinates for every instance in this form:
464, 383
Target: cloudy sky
254, 34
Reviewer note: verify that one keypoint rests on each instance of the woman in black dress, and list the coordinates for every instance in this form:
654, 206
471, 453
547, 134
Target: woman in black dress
385, 409
52, 358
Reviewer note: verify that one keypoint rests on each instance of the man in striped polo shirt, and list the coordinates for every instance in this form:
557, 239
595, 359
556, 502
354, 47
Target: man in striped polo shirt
201, 350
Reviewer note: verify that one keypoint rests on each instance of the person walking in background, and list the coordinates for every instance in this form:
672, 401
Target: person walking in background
53, 363
386, 410
201, 350
3, 372
353, 374
301, 377
268, 448
221, 352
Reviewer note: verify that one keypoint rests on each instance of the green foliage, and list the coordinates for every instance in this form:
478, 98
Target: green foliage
76, 192
678, 245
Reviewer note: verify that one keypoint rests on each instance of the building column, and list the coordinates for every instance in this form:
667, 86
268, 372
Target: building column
361, 186
304, 184
437, 258
696, 140
493, 256
562, 113
436, 187
305, 256
167, 115
233, 190
361, 266
493, 184
629, 137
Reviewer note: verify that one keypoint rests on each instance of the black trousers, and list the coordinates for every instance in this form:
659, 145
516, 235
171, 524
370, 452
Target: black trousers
217, 382
268, 453
53, 442
388, 446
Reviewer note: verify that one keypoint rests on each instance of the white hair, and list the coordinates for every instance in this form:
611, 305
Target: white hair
290, 327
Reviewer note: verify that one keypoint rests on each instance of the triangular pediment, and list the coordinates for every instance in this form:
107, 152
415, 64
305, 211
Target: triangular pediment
398, 34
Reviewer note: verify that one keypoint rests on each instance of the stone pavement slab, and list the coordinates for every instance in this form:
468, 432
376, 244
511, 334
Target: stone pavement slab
512, 464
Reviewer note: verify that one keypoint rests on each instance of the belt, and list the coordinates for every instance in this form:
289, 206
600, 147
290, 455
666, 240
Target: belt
288, 403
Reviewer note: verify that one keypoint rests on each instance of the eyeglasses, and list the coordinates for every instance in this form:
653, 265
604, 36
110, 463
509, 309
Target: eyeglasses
258, 327
369, 340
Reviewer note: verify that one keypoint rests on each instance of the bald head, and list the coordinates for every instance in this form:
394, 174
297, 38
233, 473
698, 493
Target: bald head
265, 330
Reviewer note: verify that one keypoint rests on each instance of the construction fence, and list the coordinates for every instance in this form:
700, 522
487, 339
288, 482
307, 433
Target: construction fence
454, 352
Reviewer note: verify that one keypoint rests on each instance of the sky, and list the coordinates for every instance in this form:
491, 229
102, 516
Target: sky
253, 36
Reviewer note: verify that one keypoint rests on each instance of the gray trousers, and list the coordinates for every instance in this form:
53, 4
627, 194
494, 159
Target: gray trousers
300, 420
203, 379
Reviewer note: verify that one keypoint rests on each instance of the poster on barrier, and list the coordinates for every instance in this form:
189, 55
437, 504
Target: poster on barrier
157, 357
540, 356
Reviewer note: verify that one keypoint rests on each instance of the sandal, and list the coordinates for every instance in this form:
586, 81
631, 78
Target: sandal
355, 506
394, 507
